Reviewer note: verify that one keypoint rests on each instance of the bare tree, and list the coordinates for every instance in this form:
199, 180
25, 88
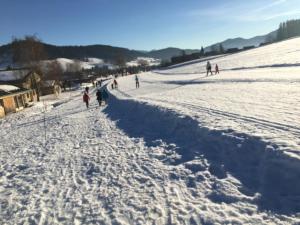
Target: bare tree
143, 63
54, 71
28, 51
74, 67
121, 63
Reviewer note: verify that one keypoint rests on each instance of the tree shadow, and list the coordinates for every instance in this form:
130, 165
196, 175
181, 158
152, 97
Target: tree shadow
258, 165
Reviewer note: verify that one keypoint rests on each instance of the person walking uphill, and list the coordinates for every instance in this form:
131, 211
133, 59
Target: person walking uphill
208, 68
86, 97
137, 82
115, 83
99, 96
217, 69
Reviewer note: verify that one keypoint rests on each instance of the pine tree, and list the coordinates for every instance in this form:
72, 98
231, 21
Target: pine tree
288, 29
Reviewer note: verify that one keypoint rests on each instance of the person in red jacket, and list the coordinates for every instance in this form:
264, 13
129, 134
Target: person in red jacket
86, 97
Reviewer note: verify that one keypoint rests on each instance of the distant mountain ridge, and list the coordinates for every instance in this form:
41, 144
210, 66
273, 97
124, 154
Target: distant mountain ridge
168, 53
243, 42
111, 53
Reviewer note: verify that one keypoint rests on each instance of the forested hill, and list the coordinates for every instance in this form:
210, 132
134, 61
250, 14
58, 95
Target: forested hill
104, 52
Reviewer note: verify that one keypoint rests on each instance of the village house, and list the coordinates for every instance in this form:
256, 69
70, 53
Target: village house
22, 78
49, 87
14, 99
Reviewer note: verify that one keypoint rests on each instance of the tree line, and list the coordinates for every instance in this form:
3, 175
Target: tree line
288, 29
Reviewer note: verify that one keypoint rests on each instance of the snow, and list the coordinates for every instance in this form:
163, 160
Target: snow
8, 88
262, 101
282, 54
182, 149
11, 75
150, 61
88, 64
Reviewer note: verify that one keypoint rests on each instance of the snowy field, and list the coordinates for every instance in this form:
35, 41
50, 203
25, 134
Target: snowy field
182, 149
263, 101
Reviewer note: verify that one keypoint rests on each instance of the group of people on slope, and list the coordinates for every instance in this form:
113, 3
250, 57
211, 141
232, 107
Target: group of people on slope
97, 83
114, 84
209, 69
101, 93
101, 96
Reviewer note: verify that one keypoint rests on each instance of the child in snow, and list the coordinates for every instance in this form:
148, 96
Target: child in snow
217, 69
86, 97
137, 82
208, 68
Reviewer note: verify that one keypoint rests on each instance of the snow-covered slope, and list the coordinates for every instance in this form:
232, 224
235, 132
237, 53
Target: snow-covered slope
282, 54
262, 100
181, 149
244, 122
132, 163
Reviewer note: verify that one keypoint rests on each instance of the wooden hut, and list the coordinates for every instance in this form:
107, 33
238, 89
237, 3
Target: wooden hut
14, 99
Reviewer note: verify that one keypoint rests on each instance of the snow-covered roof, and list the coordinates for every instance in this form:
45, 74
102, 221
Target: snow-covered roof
8, 88
11, 75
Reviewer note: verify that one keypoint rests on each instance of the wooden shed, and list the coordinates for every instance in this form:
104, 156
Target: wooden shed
14, 99
22, 78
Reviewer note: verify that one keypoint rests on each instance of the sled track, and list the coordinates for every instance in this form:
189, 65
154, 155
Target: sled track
263, 123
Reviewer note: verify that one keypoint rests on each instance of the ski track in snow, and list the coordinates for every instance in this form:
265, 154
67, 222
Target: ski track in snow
253, 103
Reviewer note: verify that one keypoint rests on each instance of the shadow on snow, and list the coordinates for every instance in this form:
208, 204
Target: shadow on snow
257, 164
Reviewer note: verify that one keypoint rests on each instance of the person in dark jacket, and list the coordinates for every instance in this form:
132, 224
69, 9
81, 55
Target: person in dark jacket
99, 96
208, 68
115, 83
137, 82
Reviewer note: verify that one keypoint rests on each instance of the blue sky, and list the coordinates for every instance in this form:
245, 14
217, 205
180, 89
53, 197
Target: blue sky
142, 24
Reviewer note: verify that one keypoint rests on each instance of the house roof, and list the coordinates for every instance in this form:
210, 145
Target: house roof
10, 90
13, 75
